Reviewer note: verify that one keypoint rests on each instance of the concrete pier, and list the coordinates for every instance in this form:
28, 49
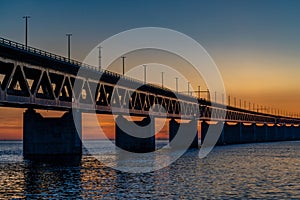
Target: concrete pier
247, 133
297, 133
262, 133
186, 137
281, 132
142, 144
232, 133
204, 129
272, 133
46, 137
290, 132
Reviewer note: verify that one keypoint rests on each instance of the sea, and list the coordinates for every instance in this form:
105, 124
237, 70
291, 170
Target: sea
247, 171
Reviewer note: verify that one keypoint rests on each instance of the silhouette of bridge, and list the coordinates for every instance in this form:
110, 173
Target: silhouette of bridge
35, 79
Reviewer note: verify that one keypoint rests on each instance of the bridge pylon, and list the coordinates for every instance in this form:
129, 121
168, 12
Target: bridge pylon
51, 136
182, 141
239, 132
145, 140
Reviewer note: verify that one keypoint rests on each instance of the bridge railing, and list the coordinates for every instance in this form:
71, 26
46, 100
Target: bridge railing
43, 53
36, 51
65, 60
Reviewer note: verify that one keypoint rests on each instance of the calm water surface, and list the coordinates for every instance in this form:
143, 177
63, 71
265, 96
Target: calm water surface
265, 170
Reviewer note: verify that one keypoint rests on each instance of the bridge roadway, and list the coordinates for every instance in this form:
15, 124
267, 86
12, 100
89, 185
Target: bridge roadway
35, 79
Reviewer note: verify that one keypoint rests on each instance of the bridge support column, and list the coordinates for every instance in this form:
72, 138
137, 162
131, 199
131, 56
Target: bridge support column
272, 132
281, 132
232, 133
204, 129
187, 137
297, 133
292, 134
262, 133
289, 133
142, 144
248, 133
46, 137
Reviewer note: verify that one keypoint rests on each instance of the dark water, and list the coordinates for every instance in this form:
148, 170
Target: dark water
265, 170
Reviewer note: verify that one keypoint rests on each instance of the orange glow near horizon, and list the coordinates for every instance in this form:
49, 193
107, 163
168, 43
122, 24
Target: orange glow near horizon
11, 127
252, 76
260, 81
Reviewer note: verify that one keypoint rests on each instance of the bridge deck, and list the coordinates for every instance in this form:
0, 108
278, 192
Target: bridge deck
39, 79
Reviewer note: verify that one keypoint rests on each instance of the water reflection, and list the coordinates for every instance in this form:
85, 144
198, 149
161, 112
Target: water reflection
131, 185
96, 179
52, 179
267, 171
12, 181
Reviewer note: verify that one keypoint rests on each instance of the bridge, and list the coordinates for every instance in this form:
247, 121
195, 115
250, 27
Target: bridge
35, 79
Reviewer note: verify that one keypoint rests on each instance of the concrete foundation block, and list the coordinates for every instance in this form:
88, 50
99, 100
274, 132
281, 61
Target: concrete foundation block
44, 137
187, 136
142, 144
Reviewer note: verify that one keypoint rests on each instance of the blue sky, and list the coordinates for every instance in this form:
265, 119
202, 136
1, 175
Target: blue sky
252, 24
254, 43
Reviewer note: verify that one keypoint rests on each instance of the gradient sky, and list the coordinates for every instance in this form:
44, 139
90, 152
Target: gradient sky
255, 44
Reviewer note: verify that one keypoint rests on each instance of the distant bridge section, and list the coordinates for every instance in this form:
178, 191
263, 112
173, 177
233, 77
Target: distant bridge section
35, 79
38, 79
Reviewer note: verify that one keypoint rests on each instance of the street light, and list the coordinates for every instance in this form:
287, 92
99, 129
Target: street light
188, 84
223, 99
69, 45
26, 29
145, 73
162, 79
215, 97
176, 78
208, 94
123, 60
100, 57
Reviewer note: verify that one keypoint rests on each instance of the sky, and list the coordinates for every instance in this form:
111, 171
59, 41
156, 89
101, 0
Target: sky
255, 44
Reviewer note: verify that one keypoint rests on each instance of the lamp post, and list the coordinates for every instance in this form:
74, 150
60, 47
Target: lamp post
145, 74
208, 94
176, 84
215, 96
162, 79
69, 45
123, 61
100, 57
223, 99
26, 29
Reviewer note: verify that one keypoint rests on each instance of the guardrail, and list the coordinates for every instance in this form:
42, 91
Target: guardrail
36, 51
33, 50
